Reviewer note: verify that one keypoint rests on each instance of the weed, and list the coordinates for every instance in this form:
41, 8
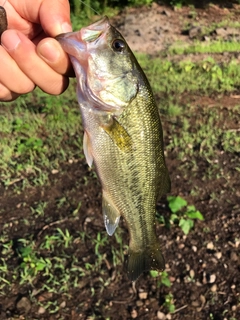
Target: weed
65, 238
31, 263
100, 241
163, 278
169, 303
184, 217
39, 209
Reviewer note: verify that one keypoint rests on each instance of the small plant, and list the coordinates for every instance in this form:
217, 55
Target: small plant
163, 278
183, 214
66, 237
169, 303
99, 242
31, 264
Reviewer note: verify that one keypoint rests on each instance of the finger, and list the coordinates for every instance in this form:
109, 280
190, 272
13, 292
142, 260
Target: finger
10, 70
6, 95
15, 20
24, 53
52, 53
54, 16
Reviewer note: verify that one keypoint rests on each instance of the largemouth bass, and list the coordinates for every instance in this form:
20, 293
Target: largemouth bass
122, 137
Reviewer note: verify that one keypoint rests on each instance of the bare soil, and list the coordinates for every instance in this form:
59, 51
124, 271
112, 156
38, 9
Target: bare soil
204, 267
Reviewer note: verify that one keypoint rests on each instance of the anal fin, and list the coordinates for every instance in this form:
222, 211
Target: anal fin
111, 214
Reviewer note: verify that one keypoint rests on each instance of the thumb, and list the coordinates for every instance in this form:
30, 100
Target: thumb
54, 17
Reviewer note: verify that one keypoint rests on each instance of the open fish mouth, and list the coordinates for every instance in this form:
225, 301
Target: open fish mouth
79, 39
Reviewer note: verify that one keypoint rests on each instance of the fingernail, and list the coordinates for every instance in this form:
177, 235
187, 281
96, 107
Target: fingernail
10, 40
66, 27
49, 51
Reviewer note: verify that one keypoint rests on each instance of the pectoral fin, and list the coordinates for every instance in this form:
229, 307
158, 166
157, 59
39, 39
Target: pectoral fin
111, 214
87, 149
119, 135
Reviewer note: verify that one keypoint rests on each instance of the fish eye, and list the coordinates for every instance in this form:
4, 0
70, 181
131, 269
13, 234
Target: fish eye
118, 45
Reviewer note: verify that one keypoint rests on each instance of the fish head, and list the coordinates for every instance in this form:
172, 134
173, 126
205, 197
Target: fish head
104, 65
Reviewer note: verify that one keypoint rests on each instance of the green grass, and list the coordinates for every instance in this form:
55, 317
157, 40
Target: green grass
38, 132
218, 46
186, 76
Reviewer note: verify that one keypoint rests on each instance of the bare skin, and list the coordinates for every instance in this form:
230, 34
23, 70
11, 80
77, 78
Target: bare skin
29, 56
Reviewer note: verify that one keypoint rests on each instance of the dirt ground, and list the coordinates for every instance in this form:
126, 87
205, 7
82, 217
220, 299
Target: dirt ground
203, 266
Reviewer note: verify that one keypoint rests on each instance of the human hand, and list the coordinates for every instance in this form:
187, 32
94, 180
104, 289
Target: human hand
28, 57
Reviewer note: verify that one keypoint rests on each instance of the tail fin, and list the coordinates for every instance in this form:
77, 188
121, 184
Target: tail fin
140, 261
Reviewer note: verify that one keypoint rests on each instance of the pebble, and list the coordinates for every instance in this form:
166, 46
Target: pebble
210, 246
187, 267
181, 245
218, 255
24, 305
194, 248
203, 299
214, 288
237, 241
63, 305
41, 310
143, 295
212, 278
161, 315
233, 256
139, 303
221, 32
134, 314
194, 32
192, 273
196, 304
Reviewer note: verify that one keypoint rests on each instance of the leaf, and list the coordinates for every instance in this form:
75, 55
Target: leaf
186, 225
173, 217
188, 67
40, 266
154, 273
195, 215
171, 308
166, 282
176, 203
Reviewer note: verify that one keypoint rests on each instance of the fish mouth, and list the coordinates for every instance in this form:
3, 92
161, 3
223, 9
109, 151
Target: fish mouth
75, 43
72, 43
94, 31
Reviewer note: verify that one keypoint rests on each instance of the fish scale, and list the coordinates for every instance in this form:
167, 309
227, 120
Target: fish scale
123, 137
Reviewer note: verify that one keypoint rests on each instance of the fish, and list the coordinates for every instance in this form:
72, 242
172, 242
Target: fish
123, 137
